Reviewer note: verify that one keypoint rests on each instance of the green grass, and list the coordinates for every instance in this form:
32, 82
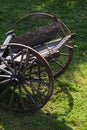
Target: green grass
67, 108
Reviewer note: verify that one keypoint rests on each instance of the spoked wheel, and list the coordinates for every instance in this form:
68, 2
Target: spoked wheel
25, 77
60, 62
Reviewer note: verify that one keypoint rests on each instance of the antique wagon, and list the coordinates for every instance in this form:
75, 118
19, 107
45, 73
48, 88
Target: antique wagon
30, 62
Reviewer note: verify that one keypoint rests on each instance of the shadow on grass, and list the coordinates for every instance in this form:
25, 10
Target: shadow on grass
34, 121
40, 120
64, 89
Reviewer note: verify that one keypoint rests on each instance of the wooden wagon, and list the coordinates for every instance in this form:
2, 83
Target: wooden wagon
29, 62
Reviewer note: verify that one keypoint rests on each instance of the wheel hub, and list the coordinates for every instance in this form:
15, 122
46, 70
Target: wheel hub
16, 78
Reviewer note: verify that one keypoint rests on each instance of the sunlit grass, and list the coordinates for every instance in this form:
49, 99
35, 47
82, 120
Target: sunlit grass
67, 108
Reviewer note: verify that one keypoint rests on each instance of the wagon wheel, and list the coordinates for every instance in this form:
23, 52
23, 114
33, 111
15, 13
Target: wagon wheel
25, 77
62, 60
37, 20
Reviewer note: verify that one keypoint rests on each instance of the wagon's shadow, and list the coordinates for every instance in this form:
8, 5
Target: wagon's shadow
66, 88
38, 121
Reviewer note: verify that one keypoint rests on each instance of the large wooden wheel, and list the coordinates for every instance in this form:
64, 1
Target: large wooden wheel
26, 81
44, 28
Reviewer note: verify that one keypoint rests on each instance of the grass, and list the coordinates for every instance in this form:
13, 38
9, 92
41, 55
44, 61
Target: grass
67, 108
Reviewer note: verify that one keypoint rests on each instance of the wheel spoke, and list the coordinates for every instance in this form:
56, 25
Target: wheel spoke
3, 93
35, 72
6, 71
58, 63
39, 69
12, 96
5, 76
39, 80
30, 95
5, 81
21, 61
34, 89
12, 58
7, 64
21, 97
64, 54
27, 57
30, 64
69, 46
17, 55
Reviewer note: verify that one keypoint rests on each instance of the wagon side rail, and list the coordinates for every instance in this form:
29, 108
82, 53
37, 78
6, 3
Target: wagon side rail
50, 49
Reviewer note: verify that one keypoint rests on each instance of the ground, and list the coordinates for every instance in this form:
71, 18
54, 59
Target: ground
67, 108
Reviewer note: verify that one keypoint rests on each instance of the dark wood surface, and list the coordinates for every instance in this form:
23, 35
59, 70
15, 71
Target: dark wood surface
39, 35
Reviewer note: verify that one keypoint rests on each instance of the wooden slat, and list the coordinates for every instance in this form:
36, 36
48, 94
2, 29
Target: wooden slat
54, 47
39, 35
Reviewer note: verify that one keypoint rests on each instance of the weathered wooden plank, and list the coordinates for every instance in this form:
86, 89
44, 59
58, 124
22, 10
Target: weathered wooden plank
39, 35
54, 47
